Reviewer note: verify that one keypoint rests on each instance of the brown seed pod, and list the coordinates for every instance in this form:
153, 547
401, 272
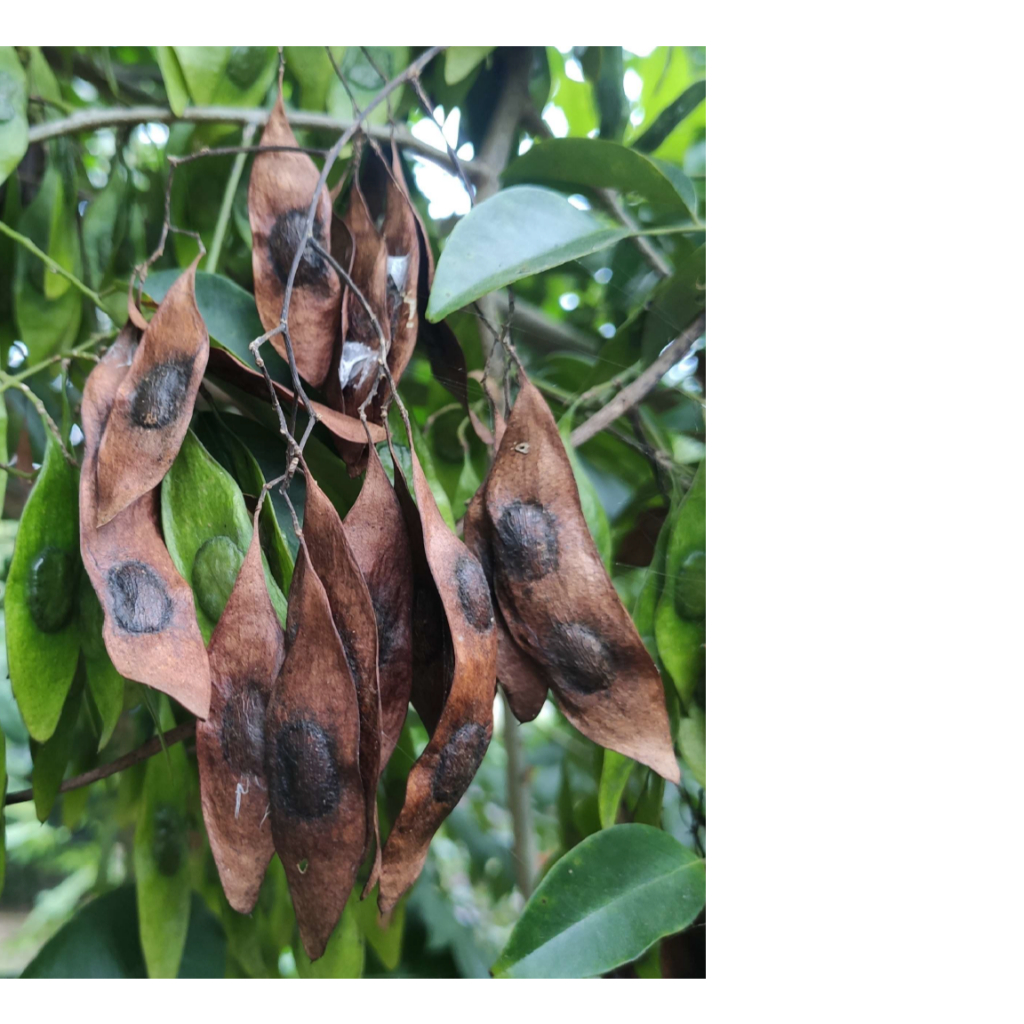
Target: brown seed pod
520, 677
447, 765
149, 627
246, 652
378, 539
311, 750
281, 188
335, 564
354, 365
153, 404
560, 606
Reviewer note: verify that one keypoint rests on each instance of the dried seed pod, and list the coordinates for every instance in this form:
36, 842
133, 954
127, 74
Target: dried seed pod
377, 536
520, 676
281, 188
246, 652
352, 608
354, 365
150, 627
560, 606
311, 750
153, 404
450, 760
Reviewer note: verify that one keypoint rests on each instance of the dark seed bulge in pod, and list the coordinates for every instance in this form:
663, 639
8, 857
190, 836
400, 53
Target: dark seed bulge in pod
168, 845
458, 762
51, 589
141, 602
581, 659
526, 538
474, 593
306, 781
161, 394
214, 571
285, 237
241, 729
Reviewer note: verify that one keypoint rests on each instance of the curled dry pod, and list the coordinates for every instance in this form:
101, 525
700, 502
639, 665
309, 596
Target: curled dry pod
281, 188
520, 676
246, 652
152, 406
311, 750
447, 765
559, 604
149, 627
354, 366
352, 609
377, 536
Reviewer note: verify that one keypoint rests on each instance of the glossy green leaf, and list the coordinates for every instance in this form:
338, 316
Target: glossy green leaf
514, 234
105, 683
385, 941
365, 82
13, 111
691, 743
311, 66
104, 225
47, 309
648, 807
593, 510
50, 759
459, 61
682, 184
679, 620
670, 118
603, 904
174, 79
42, 663
248, 75
161, 856
102, 941
203, 67
594, 163
199, 503
345, 954
615, 771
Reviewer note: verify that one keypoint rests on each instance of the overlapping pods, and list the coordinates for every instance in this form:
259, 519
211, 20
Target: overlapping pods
555, 596
246, 653
459, 740
149, 627
152, 406
281, 189
311, 749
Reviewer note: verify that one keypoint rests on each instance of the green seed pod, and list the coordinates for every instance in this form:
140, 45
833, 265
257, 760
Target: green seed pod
51, 588
690, 599
214, 571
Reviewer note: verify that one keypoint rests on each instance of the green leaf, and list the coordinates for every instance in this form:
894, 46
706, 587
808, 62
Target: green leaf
365, 82
345, 954
106, 684
514, 234
468, 483
3, 816
310, 65
682, 184
650, 591
200, 502
13, 111
691, 743
667, 121
104, 225
3, 451
459, 61
615, 772
648, 807
444, 506
42, 82
385, 941
679, 620
161, 856
42, 661
595, 163
593, 510
203, 68
47, 309
174, 79
248, 75
603, 904
102, 941
50, 759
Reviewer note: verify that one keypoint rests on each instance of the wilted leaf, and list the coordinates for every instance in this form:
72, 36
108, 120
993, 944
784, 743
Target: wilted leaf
246, 652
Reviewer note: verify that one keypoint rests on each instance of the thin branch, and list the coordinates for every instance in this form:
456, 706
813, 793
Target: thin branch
636, 392
91, 120
148, 749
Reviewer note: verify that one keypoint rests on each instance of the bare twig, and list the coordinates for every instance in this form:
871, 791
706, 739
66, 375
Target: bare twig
636, 392
147, 750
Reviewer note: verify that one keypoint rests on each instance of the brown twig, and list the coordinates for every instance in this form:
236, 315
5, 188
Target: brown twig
636, 392
148, 749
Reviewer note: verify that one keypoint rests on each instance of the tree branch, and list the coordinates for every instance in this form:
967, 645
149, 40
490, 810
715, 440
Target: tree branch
635, 393
148, 749
91, 120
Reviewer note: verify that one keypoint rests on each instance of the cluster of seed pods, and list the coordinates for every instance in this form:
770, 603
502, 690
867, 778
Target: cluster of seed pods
296, 724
